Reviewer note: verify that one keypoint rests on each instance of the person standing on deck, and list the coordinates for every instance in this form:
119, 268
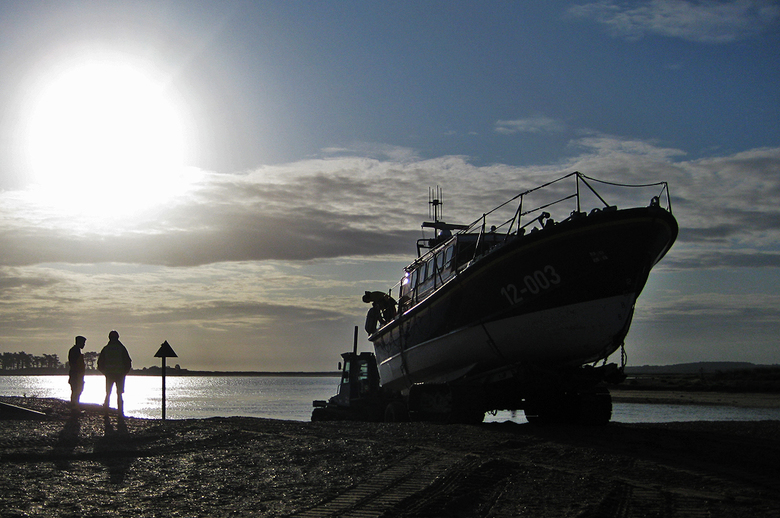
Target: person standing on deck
114, 362
76, 372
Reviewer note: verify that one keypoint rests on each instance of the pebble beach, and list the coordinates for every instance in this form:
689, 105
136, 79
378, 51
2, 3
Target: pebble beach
93, 465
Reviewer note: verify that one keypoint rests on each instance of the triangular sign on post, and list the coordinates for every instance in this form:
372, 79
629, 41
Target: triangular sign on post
165, 351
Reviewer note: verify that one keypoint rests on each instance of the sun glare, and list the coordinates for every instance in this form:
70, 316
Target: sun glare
106, 135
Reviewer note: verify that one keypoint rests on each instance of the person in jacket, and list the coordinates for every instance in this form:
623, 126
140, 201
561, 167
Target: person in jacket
76, 372
114, 362
382, 309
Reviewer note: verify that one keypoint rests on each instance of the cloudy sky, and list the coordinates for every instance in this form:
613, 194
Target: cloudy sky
231, 176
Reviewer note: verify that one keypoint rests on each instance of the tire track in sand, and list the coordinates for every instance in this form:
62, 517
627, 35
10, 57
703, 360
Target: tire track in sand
409, 477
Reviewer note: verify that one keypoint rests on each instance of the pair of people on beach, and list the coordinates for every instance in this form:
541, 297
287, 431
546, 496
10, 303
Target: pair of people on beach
114, 362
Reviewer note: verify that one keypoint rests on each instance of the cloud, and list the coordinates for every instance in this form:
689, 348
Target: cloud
530, 125
734, 198
698, 21
727, 259
374, 150
357, 206
742, 307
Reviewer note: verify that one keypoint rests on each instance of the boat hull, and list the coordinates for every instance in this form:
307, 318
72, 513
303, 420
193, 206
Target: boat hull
561, 296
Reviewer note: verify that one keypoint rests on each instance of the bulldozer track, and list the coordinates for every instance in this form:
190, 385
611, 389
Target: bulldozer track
387, 489
467, 483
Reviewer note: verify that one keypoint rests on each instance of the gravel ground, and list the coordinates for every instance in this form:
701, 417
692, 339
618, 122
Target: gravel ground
96, 466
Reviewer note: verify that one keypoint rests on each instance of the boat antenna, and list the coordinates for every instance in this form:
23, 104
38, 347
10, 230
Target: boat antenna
435, 203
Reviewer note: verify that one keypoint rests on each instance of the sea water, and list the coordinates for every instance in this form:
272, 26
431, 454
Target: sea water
186, 397
290, 397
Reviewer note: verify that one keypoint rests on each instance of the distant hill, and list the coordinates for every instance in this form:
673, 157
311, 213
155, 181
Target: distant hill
705, 376
695, 368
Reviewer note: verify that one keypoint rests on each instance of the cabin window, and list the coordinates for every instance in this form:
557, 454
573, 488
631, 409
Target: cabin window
440, 261
363, 374
344, 386
363, 381
429, 267
466, 250
448, 255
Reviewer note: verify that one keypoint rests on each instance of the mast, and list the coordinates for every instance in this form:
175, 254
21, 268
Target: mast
435, 203
441, 230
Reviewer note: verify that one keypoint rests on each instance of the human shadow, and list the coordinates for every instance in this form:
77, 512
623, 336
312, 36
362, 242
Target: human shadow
67, 441
116, 449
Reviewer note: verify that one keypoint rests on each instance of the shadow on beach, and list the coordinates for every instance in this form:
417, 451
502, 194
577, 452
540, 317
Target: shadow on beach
115, 449
67, 442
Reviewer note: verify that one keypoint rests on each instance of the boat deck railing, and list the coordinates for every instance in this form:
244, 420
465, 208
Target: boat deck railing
568, 197
523, 217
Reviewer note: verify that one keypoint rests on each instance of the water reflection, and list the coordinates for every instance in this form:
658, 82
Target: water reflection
279, 397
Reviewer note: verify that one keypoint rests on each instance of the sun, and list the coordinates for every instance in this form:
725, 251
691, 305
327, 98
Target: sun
106, 129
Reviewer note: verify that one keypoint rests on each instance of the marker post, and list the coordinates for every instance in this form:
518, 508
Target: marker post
165, 351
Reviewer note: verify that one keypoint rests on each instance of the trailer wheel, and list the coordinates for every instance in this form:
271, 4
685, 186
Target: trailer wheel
595, 407
590, 407
319, 414
396, 412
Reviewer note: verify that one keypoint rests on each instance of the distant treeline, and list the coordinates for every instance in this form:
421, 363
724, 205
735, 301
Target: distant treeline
24, 361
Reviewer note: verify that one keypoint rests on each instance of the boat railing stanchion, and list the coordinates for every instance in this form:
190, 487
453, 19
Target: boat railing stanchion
577, 183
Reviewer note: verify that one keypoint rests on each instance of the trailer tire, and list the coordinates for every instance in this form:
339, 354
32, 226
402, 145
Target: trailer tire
396, 412
595, 407
319, 414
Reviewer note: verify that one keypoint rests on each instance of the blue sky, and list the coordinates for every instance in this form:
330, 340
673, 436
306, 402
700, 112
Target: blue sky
307, 135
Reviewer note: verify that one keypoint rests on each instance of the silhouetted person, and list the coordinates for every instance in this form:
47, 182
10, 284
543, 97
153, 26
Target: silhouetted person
114, 362
382, 309
76, 372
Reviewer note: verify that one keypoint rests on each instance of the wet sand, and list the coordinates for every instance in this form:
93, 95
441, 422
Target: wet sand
92, 466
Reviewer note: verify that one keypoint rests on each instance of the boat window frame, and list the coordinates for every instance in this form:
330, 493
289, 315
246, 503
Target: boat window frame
467, 248
449, 253
439, 261
430, 267
410, 289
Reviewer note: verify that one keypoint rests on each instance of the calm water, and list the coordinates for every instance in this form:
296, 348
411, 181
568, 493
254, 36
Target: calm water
290, 398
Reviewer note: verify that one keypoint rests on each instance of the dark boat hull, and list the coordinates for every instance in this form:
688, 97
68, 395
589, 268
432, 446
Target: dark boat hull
561, 296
